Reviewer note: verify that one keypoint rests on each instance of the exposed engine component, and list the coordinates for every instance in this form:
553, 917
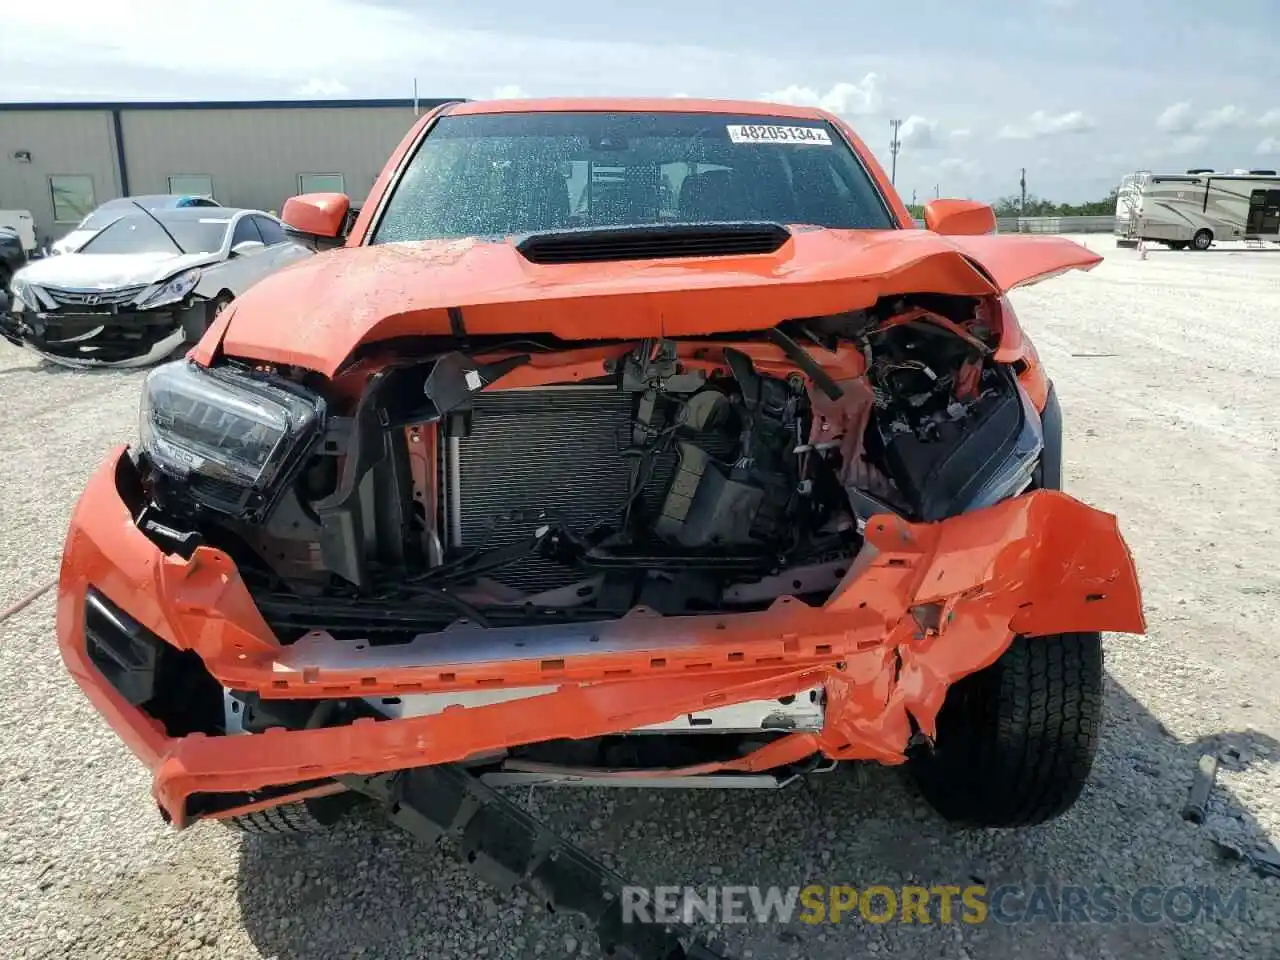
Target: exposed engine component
656, 471
679, 487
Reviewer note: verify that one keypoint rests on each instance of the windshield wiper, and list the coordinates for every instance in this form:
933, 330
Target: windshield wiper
172, 238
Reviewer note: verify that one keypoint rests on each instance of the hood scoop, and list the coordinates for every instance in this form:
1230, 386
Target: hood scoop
653, 242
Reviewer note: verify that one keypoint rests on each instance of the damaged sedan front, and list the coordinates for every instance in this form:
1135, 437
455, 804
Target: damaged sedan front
144, 285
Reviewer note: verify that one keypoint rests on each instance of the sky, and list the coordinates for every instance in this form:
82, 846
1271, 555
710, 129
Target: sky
1077, 92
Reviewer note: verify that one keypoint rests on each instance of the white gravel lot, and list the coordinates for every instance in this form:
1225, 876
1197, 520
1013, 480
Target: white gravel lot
1167, 371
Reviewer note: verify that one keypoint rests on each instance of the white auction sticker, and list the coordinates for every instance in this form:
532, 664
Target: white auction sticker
766, 133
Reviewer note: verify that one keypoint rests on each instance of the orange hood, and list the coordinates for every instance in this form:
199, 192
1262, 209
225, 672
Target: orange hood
315, 313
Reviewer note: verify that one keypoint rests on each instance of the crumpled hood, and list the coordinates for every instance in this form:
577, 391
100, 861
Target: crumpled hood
108, 271
314, 314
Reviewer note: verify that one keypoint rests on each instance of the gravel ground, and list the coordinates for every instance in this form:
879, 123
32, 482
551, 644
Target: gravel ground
1166, 370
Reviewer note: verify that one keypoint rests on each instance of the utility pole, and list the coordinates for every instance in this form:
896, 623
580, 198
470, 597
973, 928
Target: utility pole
894, 146
937, 192
415, 96
1022, 207
913, 196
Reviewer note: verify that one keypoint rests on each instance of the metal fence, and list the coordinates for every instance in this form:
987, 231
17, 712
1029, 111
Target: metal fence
1052, 224
1104, 224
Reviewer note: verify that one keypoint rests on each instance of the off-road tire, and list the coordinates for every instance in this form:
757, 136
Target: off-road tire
1016, 740
300, 817
1203, 240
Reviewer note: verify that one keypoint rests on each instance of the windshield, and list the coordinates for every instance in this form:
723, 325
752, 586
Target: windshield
138, 233
514, 173
115, 209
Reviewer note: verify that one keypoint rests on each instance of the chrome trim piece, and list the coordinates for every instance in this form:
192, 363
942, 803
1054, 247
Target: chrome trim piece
466, 643
710, 781
804, 711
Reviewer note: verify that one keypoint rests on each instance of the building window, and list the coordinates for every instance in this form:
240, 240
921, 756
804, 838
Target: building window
72, 196
192, 185
321, 183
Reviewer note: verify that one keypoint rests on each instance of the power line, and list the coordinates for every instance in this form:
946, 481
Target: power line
894, 146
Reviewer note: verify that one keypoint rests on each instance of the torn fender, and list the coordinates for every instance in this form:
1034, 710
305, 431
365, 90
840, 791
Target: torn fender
315, 313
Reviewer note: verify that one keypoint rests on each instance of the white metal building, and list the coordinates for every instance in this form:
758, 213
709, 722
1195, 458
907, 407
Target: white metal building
60, 160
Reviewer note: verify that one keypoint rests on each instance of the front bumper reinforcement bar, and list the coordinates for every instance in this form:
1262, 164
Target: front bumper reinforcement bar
509, 849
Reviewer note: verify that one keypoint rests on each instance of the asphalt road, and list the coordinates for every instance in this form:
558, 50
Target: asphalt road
1167, 373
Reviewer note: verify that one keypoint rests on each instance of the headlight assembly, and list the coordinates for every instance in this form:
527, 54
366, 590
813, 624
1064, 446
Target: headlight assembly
24, 294
1011, 465
222, 438
985, 454
170, 291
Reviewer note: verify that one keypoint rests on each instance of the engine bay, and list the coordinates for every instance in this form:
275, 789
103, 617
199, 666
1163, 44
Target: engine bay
681, 477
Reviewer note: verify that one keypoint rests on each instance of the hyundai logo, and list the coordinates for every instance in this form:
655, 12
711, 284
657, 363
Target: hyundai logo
92, 299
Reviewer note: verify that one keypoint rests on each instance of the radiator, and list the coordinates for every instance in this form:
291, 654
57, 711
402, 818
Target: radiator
555, 450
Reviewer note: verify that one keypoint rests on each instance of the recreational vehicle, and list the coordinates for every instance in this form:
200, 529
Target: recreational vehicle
1197, 208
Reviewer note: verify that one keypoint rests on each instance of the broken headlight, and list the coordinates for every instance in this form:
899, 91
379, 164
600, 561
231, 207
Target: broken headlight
1012, 469
975, 460
170, 291
25, 295
223, 438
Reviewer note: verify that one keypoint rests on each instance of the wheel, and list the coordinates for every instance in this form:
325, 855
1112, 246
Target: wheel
300, 817
1016, 740
1202, 240
219, 304
196, 322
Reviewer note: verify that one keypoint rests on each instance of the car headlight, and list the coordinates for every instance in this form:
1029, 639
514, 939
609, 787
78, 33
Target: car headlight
225, 439
24, 294
170, 291
1011, 465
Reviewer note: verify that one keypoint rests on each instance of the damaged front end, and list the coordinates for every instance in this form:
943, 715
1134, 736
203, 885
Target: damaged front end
86, 328
703, 561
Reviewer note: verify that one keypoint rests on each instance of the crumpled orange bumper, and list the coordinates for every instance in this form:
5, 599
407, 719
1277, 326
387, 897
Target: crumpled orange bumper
921, 606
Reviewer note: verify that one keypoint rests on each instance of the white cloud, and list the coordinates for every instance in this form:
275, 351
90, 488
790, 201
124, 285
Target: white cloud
1269, 145
321, 87
509, 91
128, 48
958, 166
1189, 143
918, 132
961, 134
1045, 124
849, 99
1270, 119
1223, 118
1176, 118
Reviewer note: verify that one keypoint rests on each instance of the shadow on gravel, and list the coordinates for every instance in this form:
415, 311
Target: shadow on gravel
49, 368
34, 368
367, 891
